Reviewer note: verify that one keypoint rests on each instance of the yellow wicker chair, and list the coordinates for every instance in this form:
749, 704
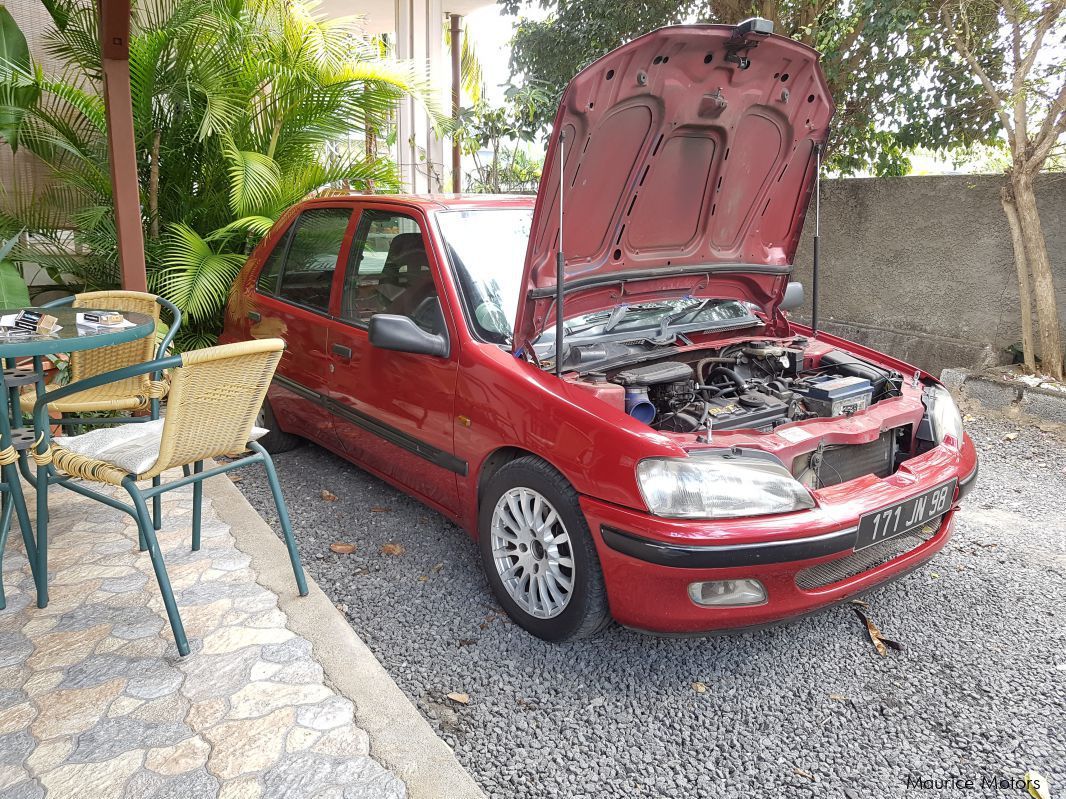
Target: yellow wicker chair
138, 393
215, 397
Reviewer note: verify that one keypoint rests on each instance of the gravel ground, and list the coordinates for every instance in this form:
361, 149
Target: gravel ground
804, 710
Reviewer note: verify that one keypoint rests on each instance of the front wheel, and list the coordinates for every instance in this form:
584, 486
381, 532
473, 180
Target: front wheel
276, 440
538, 553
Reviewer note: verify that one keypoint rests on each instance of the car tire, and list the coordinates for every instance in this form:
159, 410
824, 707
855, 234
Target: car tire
276, 440
541, 604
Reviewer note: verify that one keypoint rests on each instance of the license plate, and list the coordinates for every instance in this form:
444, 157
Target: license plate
894, 520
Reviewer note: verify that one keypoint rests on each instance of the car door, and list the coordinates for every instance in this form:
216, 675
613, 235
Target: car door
293, 290
394, 409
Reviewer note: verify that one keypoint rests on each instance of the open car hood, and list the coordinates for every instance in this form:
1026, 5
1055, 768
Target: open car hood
689, 160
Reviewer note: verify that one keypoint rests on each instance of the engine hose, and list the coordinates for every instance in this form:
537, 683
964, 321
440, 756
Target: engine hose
705, 362
730, 375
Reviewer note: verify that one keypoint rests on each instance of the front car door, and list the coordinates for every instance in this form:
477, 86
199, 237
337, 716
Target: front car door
395, 409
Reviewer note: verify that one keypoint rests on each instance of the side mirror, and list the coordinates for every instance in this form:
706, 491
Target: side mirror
400, 333
793, 296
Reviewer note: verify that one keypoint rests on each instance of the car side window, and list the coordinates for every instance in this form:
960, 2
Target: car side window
389, 273
268, 275
311, 257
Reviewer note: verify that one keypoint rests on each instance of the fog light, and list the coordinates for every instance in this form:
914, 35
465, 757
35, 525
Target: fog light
718, 593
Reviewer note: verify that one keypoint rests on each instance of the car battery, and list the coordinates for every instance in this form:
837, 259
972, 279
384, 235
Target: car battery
836, 396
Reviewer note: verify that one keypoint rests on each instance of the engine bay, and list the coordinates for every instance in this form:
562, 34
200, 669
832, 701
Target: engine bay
756, 385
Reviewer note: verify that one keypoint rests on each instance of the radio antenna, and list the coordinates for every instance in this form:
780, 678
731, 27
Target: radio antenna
559, 263
817, 237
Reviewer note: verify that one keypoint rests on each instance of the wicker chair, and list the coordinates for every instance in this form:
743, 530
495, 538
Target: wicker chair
215, 396
138, 393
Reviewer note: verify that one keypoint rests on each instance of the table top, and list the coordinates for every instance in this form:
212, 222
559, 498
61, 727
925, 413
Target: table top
71, 338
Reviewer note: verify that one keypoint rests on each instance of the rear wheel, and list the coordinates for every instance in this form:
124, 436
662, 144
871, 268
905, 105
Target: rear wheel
538, 553
276, 440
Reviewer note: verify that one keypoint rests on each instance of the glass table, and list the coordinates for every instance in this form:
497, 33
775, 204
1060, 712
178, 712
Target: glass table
15, 442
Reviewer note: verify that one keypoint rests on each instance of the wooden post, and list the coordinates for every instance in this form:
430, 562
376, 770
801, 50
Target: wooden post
121, 143
457, 159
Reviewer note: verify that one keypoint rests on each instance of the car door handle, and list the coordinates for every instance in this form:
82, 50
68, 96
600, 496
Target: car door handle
255, 316
341, 351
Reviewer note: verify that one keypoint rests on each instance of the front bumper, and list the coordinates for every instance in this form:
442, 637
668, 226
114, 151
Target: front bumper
649, 562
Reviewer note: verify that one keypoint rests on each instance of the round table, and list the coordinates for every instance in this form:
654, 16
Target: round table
13, 345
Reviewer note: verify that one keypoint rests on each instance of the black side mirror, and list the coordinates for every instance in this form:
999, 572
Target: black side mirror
400, 333
793, 296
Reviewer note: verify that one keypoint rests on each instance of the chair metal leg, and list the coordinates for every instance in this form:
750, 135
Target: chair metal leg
197, 506
42, 537
283, 515
157, 507
11, 478
144, 522
5, 528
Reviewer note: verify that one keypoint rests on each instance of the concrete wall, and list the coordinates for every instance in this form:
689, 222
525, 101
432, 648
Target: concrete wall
922, 267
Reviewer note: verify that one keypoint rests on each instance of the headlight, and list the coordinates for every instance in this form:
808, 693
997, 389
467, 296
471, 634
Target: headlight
943, 416
716, 487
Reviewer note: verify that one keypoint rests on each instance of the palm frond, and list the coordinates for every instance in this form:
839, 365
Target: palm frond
254, 180
193, 276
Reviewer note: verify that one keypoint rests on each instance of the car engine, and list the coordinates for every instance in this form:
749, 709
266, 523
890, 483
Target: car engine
754, 385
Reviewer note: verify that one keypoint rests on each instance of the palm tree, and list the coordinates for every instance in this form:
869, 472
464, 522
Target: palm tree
234, 104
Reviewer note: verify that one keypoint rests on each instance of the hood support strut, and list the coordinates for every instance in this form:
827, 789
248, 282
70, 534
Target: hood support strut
560, 267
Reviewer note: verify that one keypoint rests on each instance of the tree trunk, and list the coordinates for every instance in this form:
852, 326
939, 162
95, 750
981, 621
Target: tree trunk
153, 189
1047, 312
1025, 295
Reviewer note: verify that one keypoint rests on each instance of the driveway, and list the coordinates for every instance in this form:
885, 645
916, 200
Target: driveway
808, 709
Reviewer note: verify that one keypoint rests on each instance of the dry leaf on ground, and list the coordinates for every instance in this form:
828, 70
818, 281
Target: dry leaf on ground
1010, 436
804, 773
342, 548
881, 644
392, 549
379, 509
436, 567
699, 687
1037, 785
461, 698
328, 495
838, 697
236, 478
860, 602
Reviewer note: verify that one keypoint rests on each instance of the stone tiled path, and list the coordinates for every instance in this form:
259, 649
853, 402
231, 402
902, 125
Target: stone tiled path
95, 702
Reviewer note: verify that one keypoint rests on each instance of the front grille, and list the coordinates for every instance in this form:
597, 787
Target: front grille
834, 464
871, 557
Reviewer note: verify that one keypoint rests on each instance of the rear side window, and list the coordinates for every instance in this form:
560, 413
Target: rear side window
306, 259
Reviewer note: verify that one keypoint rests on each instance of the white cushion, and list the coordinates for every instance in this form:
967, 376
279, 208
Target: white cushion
134, 448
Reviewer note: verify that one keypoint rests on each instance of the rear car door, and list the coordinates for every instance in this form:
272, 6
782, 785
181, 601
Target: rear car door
394, 409
293, 291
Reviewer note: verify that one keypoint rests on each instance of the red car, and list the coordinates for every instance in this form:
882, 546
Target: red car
688, 459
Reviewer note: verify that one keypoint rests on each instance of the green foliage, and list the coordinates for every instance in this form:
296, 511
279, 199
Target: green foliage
13, 291
234, 104
484, 131
887, 66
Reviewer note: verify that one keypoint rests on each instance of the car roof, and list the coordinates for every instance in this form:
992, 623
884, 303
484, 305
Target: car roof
433, 202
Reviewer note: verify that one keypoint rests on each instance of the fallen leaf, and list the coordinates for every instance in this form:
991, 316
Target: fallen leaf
1010, 436
328, 495
804, 773
341, 548
236, 478
860, 602
422, 578
838, 698
969, 418
881, 644
699, 687
436, 567
462, 699
934, 575
1037, 785
393, 549
377, 509
467, 641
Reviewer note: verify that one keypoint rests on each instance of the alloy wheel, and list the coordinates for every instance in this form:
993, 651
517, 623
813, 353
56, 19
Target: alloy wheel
532, 552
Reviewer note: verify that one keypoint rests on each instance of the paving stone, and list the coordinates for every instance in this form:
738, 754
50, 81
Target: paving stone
184, 756
111, 737
309, 774
15, 747
328, 714
14, 647
240, 747
156, 682
103, 780
29, 789
147, 785
208, 676
296, 649
121, 585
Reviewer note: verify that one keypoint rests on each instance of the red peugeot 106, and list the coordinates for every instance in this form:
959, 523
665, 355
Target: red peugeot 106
619, 410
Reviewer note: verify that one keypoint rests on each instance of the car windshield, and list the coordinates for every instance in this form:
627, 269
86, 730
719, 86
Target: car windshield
487, 249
